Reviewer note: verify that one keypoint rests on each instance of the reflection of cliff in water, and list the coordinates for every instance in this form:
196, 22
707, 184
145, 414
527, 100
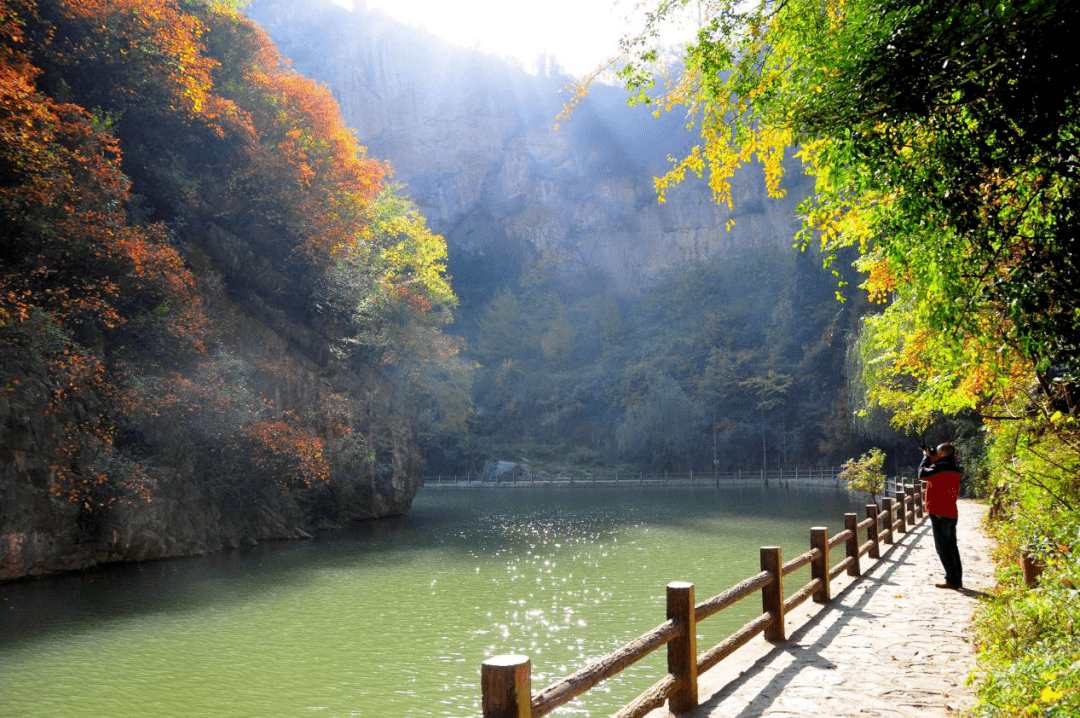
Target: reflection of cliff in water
472, 138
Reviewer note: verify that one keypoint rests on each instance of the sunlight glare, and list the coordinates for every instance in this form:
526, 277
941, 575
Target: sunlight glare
581, 34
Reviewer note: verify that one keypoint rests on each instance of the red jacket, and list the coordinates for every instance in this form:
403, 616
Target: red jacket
942, 476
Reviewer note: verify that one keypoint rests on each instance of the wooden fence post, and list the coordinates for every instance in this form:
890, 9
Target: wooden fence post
887, 513
506, 687
682, 651
919, 508
772, 596
901, 519
909, 489
819, 567
872, 532
851, 523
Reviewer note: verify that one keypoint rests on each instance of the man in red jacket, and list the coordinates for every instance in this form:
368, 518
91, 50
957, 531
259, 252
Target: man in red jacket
942, 476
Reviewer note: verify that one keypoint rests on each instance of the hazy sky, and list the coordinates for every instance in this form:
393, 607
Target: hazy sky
580, 33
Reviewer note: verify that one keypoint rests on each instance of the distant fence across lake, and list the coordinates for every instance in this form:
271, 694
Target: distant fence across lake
824, 476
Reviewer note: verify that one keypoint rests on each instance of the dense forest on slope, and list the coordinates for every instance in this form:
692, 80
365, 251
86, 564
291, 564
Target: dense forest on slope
942, 138
214, 308
605, 328
748, 351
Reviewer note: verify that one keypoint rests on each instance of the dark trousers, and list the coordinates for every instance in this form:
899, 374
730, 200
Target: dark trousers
945, 543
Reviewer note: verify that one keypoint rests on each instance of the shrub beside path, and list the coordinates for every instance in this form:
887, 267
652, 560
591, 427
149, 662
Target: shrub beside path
889, 644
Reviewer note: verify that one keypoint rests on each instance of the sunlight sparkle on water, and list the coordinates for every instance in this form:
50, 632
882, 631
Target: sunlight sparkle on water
301, 617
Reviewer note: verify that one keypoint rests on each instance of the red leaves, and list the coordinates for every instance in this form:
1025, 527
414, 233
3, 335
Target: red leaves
290, 453
156, 45
75, 263
103, 298
80, 258
316, 162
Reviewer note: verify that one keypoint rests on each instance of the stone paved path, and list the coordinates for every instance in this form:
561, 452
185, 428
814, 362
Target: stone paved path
889, 644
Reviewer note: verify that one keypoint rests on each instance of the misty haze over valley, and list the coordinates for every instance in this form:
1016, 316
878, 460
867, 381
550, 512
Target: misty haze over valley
280, 266
604, 328
306, 269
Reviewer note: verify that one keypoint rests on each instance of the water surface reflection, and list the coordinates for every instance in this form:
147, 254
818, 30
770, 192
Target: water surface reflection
394, 617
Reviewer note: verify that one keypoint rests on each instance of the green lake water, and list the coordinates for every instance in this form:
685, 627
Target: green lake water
394, 617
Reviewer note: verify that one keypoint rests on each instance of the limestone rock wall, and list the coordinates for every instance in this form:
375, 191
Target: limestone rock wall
471, 136
194, 508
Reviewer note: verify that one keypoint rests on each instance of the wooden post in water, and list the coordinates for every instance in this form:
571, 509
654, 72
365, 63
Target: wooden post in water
851, 523
901, 503
682, 651
506, 687
819, 567
772, 596
872, 532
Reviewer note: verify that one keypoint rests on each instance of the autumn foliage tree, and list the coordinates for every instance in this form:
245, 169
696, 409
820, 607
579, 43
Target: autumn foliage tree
939, 137
122, 123
76, 270
942, 139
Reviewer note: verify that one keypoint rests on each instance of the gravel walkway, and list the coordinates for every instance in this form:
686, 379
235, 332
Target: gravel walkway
888, 644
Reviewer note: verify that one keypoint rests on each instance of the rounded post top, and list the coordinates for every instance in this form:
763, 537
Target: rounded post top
680, 584
505, 660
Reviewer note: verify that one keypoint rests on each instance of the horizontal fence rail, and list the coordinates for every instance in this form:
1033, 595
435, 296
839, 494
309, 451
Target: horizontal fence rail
827, 476
822, 475
577, 479
506, 679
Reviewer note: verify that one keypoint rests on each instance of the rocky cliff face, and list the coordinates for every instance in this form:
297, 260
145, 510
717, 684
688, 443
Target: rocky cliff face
472, 138
194, 506
188, 446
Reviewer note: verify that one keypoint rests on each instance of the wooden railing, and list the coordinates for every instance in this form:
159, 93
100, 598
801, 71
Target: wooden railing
506, 680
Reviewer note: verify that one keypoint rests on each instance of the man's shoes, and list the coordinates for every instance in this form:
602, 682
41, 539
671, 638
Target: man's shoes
953, 586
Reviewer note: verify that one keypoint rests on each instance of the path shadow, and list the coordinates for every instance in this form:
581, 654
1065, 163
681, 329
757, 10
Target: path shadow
972, 593
805, 656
